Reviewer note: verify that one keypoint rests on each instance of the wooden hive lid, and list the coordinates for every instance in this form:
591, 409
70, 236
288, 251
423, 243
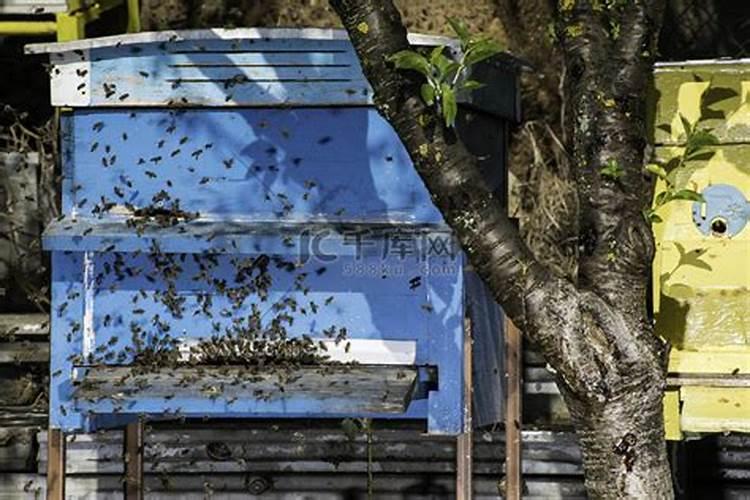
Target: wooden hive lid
237, 67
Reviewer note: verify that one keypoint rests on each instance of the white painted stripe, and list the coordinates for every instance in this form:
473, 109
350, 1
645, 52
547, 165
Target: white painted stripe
88, 304
70, 82
219, 34
700, 62
362, 351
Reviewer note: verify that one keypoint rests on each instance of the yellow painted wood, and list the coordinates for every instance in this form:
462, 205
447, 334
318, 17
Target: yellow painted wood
70, 27
715, 409
701, 283
134, 16
672, 430
32, 28
730, 360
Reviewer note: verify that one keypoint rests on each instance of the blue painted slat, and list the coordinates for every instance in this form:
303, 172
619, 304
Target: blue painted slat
446, 299
147, 78
267, 164
200, 236
229, 77
66, 336
269, 59
372, 297
265, 45
159, 65
294, 71
488, 352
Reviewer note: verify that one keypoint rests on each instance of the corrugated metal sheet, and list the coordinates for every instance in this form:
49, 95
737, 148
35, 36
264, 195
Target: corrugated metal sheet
328, 463
287, 487
297, 461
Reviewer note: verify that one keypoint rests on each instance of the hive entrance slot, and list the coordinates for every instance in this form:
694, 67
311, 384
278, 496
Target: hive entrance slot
718, 227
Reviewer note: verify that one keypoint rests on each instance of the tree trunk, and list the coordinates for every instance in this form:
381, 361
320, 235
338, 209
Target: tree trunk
622, 443
593, 329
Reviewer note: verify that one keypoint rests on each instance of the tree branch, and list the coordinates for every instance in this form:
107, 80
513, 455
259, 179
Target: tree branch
546, 307
609, 51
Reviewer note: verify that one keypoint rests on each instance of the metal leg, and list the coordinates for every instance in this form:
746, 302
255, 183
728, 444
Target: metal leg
55, 464
464, 446
134, 461
513, 471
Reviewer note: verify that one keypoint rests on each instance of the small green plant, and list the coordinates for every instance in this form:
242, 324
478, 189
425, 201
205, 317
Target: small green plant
611, 169
696, 140
445, 77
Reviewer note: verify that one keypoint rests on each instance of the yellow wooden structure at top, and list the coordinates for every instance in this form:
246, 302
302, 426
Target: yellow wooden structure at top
67, 19
701, 272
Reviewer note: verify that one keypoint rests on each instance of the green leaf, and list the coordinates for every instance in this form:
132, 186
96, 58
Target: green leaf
428, 94
656, 170
611, 169
443, 65
451, 70
688, 195
472, 85
654, 218
698, 140
435, 54
662, 198
449, 105
460, 28
410, 60
686, 125
480, 50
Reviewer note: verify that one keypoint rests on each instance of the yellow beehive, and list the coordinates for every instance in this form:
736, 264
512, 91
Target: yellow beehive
67, 19
701, 276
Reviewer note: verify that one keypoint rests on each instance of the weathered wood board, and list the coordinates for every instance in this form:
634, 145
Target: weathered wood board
341, 388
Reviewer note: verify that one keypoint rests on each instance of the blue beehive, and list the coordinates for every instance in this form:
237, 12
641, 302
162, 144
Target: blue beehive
232, 196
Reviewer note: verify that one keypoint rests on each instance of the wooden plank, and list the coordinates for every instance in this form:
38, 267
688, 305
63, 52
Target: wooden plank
513, 363
541, 388
710, 381
536, 374
201, 36
22, 416
710, 362
385, 389
464, 452
24, 352
134, 461
32, 7
24, 324
56, 465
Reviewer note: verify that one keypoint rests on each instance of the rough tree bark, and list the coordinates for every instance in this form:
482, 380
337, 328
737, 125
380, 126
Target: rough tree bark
594, 330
